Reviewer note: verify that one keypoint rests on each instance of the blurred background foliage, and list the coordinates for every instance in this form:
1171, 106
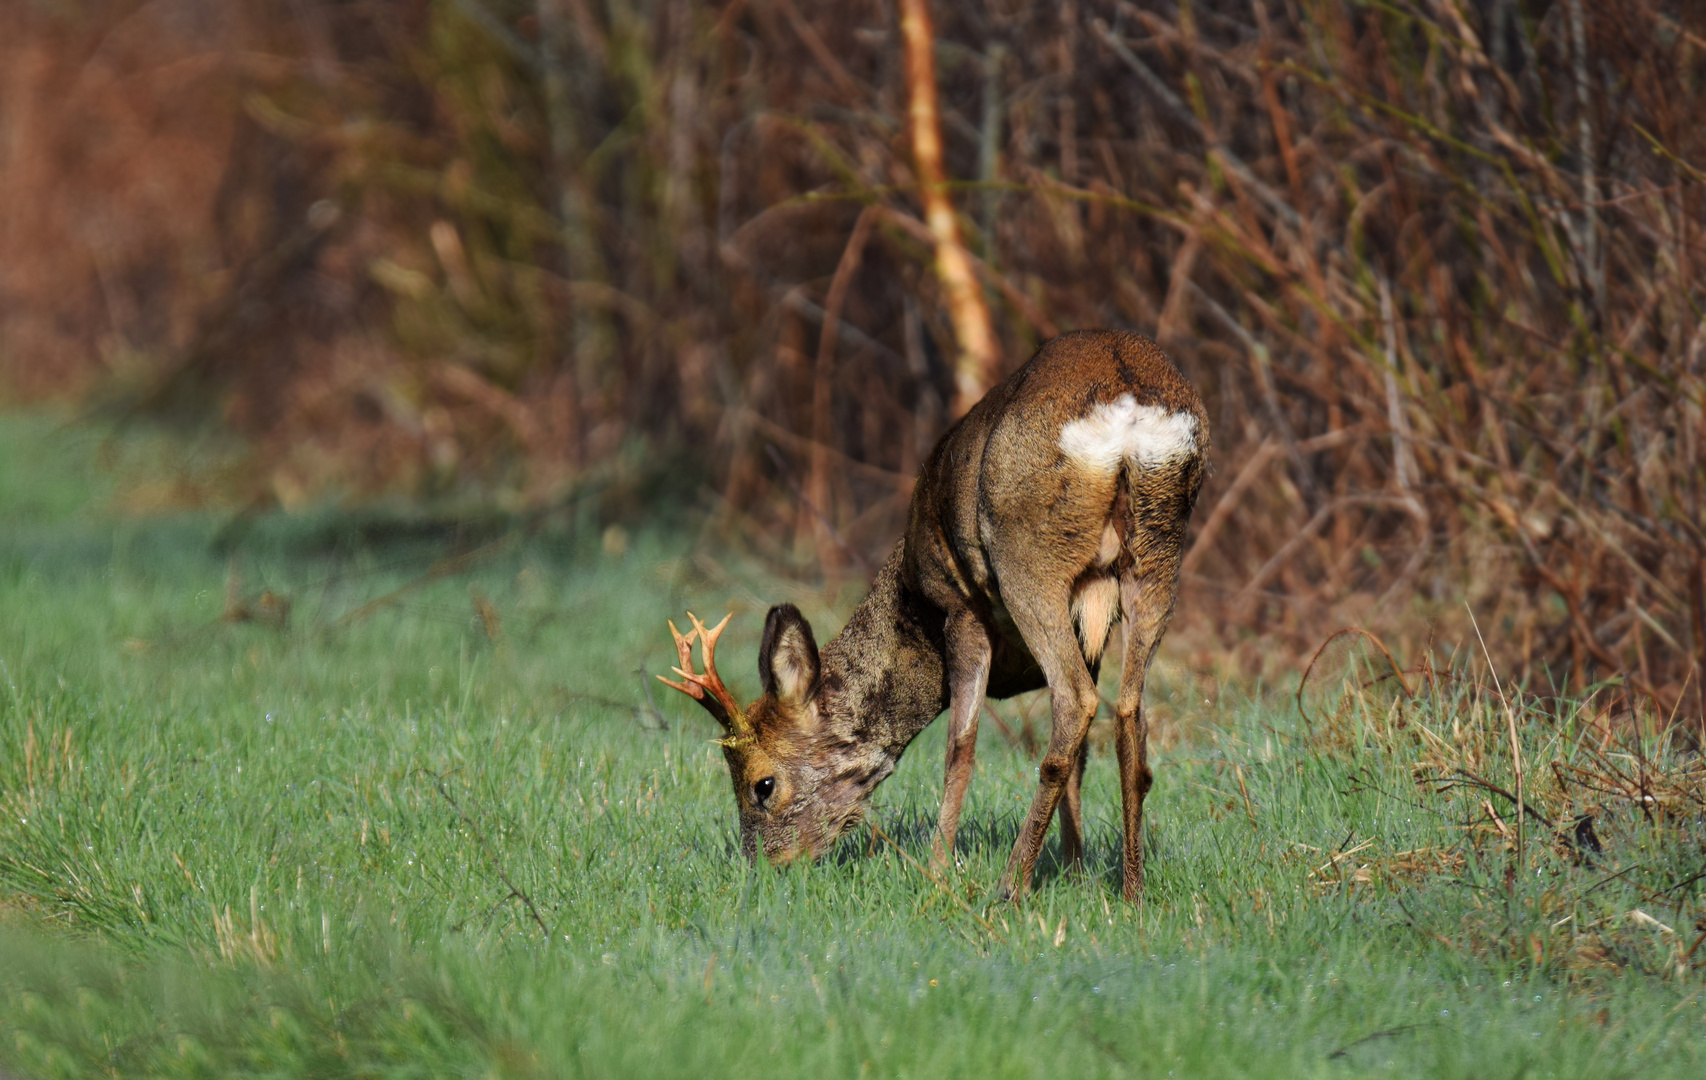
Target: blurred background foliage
1432, 263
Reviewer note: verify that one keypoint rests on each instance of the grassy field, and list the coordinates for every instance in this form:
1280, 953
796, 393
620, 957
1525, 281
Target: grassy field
431, 826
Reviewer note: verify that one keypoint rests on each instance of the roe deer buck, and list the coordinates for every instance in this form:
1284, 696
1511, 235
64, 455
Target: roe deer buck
1053, 509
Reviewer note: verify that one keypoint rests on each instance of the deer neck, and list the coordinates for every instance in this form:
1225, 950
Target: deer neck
884, 674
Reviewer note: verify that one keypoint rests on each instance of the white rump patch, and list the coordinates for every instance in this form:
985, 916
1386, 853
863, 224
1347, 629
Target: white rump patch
1123, 430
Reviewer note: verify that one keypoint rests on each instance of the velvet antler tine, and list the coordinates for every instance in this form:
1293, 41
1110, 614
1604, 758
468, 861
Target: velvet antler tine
708, 640
684, 648
711, 680
707, 689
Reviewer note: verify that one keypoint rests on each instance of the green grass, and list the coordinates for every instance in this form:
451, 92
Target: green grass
231, 849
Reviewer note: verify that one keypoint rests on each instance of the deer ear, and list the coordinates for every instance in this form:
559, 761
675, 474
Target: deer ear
787, 657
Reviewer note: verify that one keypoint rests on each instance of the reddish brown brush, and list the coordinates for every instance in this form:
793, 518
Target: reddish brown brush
1436, 268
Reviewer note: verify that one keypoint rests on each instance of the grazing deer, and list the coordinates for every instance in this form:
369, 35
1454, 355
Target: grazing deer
1054, 509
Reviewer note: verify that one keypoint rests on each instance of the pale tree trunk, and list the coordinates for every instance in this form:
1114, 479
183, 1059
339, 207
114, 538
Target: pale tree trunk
978, 365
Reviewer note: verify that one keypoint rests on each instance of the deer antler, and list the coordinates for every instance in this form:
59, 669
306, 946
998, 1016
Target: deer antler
719, 702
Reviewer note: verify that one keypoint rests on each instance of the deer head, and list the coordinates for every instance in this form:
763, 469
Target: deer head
788, 793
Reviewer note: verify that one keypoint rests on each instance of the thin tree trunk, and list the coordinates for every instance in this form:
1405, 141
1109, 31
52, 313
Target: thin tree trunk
977, 366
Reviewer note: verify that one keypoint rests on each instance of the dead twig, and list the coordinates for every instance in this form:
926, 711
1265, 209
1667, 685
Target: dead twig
937, 881
1397, 671
515, 891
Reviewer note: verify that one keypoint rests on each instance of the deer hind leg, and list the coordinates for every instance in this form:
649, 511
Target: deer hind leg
1046, 625
1146, 593
968, 680
1095, 607
1071, 814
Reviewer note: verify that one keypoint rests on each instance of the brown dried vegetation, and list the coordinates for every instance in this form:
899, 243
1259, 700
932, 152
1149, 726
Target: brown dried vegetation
1550, 805
1434, 264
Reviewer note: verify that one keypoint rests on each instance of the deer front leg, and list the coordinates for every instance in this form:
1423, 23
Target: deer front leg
968, 680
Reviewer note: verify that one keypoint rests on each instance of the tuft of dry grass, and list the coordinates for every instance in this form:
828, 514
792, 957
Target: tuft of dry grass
1604, 801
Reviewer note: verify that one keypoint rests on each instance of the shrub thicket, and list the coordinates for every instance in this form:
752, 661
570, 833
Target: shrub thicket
1432, 262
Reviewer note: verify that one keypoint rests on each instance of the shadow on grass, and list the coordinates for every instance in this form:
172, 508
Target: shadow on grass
914, 832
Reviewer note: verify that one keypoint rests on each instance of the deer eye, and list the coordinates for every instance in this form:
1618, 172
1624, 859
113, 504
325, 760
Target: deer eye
762, 790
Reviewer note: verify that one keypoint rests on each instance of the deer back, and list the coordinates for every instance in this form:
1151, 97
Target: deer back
1085, 460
